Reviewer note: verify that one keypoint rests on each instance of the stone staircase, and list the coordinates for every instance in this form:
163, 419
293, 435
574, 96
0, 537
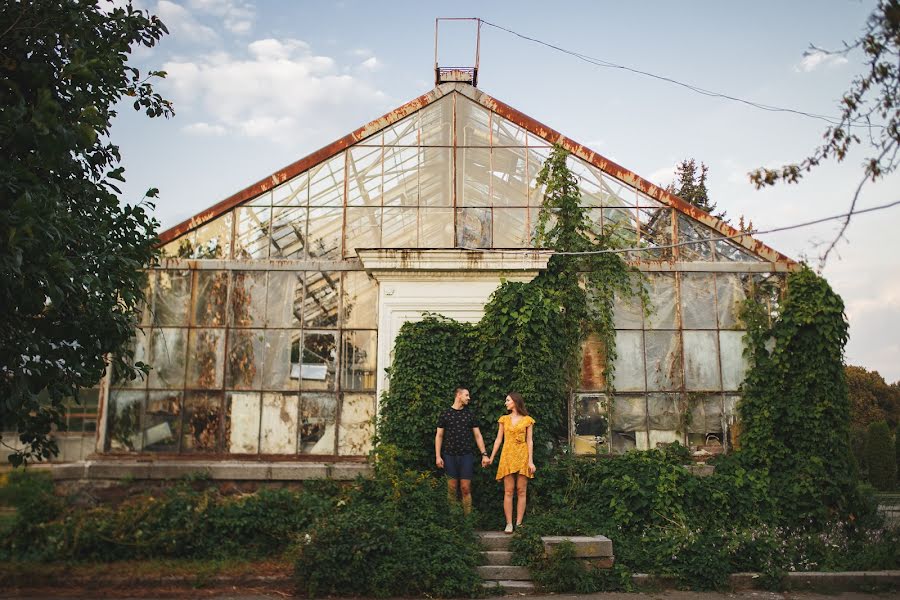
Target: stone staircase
499, 572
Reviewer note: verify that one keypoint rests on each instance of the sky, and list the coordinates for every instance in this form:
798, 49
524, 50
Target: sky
257, 85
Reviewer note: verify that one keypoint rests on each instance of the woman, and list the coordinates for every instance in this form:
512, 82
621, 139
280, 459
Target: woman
517, 462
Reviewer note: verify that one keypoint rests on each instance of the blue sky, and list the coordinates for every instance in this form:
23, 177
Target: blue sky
258, 85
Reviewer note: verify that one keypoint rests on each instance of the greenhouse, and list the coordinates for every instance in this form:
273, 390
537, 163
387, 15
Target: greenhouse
271, 317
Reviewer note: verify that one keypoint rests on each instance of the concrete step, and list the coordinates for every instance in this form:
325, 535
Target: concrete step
498, 557
503, 573
509, 585
494, 540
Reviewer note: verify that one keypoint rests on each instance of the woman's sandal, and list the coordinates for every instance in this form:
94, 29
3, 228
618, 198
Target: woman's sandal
509, 528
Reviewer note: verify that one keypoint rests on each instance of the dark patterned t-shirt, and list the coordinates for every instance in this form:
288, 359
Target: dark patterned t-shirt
457, 426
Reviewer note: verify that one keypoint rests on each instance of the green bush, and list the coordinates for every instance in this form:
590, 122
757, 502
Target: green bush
393, 535
880, 457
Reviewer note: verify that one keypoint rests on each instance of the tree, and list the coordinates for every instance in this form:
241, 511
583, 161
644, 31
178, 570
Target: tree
871, 399
70, 253
880, 457
690, 186
873, 95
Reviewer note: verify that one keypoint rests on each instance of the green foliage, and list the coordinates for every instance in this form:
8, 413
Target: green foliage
871, 398
32, 495
690, 186
393, 535
795, 410
880, 457
70, 253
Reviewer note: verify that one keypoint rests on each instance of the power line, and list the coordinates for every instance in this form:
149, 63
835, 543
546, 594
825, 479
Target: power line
713, 94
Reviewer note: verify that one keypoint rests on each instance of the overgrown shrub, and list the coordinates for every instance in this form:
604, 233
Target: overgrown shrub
880, 457
393, 535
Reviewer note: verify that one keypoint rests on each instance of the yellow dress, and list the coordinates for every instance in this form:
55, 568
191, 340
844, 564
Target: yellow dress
514, 458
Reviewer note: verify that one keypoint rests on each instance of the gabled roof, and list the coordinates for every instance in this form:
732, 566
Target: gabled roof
502, 109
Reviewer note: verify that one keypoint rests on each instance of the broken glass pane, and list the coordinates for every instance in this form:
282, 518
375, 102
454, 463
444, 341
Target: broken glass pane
242, 419
706, 424
317, 361
436, 123
363, 229
364, 176
732, 290
135, 351
509, 186
473, 228
173, 294
656, 233
246, 352
211, 291
436, 228
288, 232
732, 252
248, 299
357, 424
629, 424
698, 300
206, 358
124, 428
202, 422
629, 365
622, 226
401, 176
593, 364
591, 423
734, 363
317, 416
505, 133
326, 187
167, 354
281, 369
321, 299
473, 166
162, 423
252, 232
664, 366
701, 361
293, 192
213, 240
360, 302
435, 172
399, 228
325, 233
664, 412
510, 227
699, 247
278, 431
358, 353
284, 299
472, 124
661, 292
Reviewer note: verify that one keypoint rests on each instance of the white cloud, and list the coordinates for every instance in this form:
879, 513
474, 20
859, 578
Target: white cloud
663, 177
279, 90
813, 59
182, 23
370, 64
236, 16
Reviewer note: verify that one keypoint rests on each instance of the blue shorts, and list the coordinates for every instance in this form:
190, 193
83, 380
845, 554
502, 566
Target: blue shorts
458, 466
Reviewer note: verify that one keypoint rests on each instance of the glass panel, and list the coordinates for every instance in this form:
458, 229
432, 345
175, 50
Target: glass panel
472, 124
732, 417
211, 290
698, 300
701, 361
436, 123
510, 227
401, 176
473, 228
248, 299
536, 159
317, 416
509, 186
404, 132
282, 354
293, 192
505, 133
242, 419
689, 231
360, 300
732, 252
732, 290
246, 351
288, 232
398, 228
706, 424
473, 166
357, 424
284, 300
173, 294
664, 415
326, 186
213, 240
325, 232
664, 366
656, 233
364, 176
321, 299
734, 363
661, 292
317, 361
363, 229
593, 364
252, 232
621, 225
206, 358
589, 181
180, 247
629, 424
358, 353
136, 351
591, 423
162, 423
627, 311
615, 193
144, 309
125, 420
435, 171
202, 422
436, 228
167, 354
278, 431
264, 199
629, 371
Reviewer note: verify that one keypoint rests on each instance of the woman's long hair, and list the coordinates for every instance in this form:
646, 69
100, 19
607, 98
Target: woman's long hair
519, 401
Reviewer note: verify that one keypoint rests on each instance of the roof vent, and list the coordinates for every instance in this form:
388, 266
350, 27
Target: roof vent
456, 74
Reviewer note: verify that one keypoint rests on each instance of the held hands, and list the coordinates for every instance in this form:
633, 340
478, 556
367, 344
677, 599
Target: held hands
485, 461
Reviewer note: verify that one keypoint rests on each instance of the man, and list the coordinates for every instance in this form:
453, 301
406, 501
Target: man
453, 447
